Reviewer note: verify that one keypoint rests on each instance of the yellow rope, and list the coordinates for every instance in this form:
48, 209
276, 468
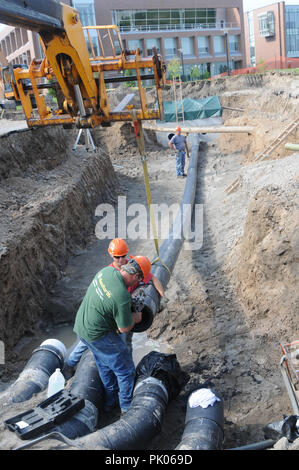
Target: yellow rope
140, 142
152, 216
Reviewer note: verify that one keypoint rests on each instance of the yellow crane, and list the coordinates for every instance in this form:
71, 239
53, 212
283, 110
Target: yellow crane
76, 64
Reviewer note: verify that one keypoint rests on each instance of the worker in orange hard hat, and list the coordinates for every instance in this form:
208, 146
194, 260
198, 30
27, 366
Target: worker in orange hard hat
179, 145
104, 314
118, 250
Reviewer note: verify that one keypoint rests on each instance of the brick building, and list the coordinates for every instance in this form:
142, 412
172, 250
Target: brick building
272, 32
19, 45
207, 35
204, 34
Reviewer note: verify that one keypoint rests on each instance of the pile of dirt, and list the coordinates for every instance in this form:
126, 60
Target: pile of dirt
269, 107
265, 269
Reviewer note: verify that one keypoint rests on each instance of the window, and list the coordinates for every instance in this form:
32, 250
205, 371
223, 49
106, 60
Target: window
233, 44
134, 44
164, 19
203, 45
292, 30
150, 43
86, 11
267, 24
187, 47
219, 47
251, 39
170, 47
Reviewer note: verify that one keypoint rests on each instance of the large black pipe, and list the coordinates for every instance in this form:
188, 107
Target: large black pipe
34, 378
159, 379
85, 384
136, 427
170, 248
203, 424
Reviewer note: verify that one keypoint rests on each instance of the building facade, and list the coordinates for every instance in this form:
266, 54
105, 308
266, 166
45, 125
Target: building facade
204, 35
19, 45
271, 32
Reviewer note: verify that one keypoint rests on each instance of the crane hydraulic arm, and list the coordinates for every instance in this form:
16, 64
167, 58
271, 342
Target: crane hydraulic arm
78, 63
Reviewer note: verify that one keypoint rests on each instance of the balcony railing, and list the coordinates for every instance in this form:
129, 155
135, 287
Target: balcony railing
220, 25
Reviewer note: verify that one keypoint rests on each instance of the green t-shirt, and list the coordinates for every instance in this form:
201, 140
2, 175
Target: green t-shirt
105, 307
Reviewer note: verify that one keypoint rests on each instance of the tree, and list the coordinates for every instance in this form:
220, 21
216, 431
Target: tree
195, 73
174, 68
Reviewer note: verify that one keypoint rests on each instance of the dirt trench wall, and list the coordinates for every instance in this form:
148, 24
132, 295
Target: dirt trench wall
33, 150
47, 213
265, 267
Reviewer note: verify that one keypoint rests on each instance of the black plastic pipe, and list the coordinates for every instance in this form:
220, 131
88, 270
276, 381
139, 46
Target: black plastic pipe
138, 425
34, 378
257, 445
171, 247
85, 384
203, 426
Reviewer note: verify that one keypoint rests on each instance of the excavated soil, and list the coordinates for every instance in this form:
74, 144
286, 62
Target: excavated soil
233, 300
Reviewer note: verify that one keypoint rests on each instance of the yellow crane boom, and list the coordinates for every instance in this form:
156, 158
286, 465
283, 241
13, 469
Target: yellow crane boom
76, 67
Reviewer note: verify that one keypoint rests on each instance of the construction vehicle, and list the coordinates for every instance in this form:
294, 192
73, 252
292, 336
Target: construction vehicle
77, 67
7, 98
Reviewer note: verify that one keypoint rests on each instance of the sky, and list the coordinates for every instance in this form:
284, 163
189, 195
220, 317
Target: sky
247, 4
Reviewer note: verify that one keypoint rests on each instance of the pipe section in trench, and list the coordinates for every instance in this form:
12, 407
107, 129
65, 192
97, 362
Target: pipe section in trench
171, 247
204, 423
158, 380
85, 384
34, 378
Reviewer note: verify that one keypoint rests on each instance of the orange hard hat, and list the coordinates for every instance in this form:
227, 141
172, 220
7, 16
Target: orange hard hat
178, 128
144, 264
118, 247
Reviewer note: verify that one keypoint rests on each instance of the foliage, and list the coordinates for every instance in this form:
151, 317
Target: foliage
129, 73
174, 68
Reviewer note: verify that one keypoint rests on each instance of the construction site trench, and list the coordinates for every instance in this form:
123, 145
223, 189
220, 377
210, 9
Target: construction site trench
232, 301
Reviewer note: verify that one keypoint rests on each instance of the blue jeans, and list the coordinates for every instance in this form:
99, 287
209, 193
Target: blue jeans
180, 162
79, 349
116, 368
76, 354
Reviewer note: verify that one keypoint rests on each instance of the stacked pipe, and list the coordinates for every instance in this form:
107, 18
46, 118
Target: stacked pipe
170, 248
158, 380
34, 378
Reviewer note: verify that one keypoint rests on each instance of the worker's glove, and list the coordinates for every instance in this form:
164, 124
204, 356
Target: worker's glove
163, 303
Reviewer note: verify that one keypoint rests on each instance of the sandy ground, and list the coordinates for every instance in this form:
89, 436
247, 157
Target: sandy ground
207, 322
7, 126
204, 323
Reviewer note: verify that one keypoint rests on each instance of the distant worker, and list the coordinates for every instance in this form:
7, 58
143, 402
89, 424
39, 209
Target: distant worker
104, 313
178, 144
